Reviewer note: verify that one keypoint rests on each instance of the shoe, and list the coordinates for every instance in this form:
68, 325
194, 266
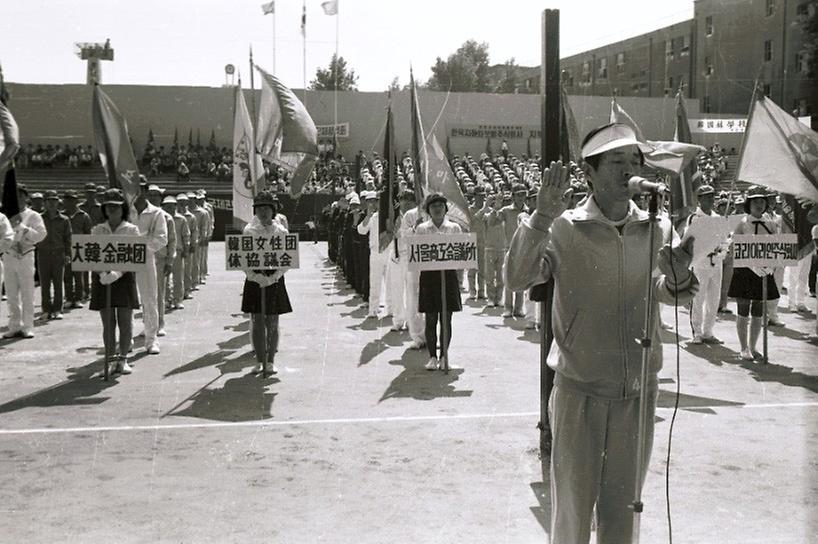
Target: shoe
57, 316
507, 314
667, 326
153, 349
757, 355
123, 367
272, 369
178, 306
12, 334
712, 340
802, 308
518, 314
372, 316
725, 311
195, 288
75, 306
161, 332
395, 328
775, 323
696, 340
432, 364
3, 298
26, 334
141, 334
417, 344
531, 326
472, 297
746, 355
258, 369
188, 296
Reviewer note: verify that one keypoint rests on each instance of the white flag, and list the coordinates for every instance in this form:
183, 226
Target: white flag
269, 7
247, 166
330, 7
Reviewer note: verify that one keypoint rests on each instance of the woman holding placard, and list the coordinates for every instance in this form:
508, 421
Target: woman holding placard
747, 283
430, 300
268, 284
118, 311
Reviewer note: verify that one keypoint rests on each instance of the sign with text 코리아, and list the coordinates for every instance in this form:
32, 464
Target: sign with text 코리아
765, 250
442, 251
251, 252
108, 252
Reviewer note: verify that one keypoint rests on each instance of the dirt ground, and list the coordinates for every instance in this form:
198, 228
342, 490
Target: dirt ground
354, 442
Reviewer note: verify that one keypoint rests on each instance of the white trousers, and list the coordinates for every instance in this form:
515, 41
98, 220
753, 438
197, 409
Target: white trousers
415, 322
161, 285
705, 305
395, 290
19, 278
148, 291
377, 279
799, 281
532, 310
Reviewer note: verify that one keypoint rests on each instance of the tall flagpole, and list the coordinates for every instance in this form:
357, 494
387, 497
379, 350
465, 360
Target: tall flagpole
335, 94
274, 42
304, 47
253, 175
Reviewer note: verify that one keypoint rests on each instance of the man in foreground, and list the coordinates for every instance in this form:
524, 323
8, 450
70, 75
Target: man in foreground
597, 254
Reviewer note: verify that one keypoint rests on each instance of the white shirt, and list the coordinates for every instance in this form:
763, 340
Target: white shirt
151, 223
446, 227
29, 232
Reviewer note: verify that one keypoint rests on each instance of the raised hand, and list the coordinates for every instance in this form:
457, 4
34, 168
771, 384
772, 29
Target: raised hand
552, 199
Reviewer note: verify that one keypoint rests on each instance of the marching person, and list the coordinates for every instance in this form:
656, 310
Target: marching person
18, 264
746, 286
54, 255
182, 235
395, 275
377, 259
276, 301
75, 282
598, 256
705, 305
430, 299
182, 202
410, 219
496, 248
774, 213
151, 223
164, 258
513, 300
477, 276
206, 206
532, 314
6, 239
203, 228
124, 297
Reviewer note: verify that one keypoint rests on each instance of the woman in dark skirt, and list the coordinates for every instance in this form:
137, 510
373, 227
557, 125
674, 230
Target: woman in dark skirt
270, 282
429, 297
747, 283
124, 298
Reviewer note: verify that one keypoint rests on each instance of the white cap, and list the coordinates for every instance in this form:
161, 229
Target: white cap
610, 137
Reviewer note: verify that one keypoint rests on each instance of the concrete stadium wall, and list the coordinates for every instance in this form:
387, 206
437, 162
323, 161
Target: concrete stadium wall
61, 114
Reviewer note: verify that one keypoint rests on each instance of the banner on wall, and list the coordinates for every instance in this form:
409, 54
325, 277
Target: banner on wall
341, 130
507, 132
721, 126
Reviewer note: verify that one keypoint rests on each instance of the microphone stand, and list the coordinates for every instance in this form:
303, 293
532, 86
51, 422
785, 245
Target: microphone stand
645, 342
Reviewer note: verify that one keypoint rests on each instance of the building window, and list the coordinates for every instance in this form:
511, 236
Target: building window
620, 62
643, 86
602, 68
708, 67
669, 49
768, 50
586, 72
568, 78
708, 25
685, 46
766, 89
770, 8
802, 10
670, 84
800, 63
706, 104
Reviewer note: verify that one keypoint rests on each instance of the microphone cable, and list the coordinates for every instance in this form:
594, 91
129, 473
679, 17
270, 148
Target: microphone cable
678, 384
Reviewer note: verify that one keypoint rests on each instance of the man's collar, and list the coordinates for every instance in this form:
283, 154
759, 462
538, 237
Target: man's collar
589, 211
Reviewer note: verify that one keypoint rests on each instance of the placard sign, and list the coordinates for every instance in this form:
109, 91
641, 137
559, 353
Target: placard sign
251, 252
442, 251
108, 252
765, 250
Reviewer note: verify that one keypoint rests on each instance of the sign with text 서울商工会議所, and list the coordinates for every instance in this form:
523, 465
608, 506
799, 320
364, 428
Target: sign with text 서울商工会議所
442, 251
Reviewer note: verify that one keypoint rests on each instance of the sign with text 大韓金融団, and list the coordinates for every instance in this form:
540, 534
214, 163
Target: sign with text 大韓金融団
442, 251
765, 250
108, 252
251, 252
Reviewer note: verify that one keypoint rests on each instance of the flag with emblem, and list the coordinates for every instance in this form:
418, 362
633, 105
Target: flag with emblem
248, 171
114, 145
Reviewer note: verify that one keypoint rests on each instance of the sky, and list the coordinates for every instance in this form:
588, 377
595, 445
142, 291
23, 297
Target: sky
187, 42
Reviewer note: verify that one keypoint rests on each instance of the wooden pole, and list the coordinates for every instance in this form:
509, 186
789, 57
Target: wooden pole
265, 355
444, 327
549, 151
111, 335
764, 358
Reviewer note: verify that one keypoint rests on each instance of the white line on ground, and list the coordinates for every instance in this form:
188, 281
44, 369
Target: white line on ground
390, 419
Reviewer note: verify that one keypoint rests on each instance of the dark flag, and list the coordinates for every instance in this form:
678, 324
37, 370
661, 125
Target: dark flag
488, 147
151, 140
190, 137
175, 137
417, 141
683, 194
386, 211
212, 143
11, 206
113, 145
571, 142
448, 150
198, 138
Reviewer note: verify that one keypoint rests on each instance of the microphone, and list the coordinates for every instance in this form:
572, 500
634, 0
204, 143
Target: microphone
638, 185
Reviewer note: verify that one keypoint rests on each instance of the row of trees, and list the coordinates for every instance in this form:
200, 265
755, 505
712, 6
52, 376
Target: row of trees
465, 70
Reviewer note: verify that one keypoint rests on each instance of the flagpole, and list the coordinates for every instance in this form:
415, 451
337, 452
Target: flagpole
335, 94
253, 175
304, 47
274, 42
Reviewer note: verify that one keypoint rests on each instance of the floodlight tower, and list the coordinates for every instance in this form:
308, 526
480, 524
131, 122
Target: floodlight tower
94, 53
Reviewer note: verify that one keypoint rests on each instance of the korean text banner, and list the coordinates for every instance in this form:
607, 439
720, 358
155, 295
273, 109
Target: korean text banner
109, 252
442, 251
765, 250
251, 252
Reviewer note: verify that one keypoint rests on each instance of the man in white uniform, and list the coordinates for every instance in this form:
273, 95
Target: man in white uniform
377, 260
18, 262
414, 321
151, 223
